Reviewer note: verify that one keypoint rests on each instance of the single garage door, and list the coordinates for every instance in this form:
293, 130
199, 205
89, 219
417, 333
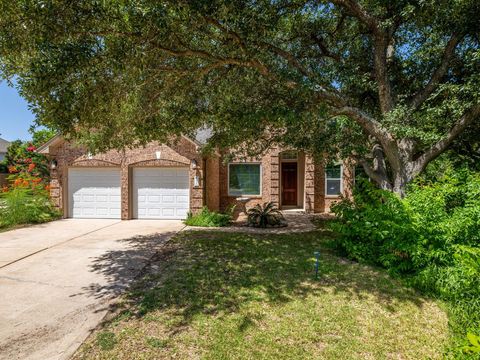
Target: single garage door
94, 193
160, 193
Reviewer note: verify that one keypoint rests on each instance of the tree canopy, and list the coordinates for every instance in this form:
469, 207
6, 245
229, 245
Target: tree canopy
390, 83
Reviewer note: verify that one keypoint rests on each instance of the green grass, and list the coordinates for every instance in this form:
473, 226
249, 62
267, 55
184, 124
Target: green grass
238, 296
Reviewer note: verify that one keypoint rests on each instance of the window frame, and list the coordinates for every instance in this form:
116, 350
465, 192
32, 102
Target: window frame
287, 159
260, 176
330, 178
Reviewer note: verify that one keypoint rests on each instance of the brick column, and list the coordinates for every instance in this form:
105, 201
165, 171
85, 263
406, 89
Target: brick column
309, 184
126, 201
274, 177
56, 191
319, 187
212, 183
196, 192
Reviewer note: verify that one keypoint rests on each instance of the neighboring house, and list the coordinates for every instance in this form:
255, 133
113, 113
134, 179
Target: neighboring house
3, 148
166, 182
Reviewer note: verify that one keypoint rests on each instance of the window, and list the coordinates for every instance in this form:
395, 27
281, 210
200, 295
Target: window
289, 155
244, 179
333, 180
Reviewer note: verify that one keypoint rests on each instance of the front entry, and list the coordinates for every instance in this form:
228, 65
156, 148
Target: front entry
289, 184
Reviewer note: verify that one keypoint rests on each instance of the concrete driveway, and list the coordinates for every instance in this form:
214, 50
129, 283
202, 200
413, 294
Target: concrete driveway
57, 280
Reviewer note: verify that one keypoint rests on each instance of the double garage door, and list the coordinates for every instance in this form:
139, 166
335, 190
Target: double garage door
157, 193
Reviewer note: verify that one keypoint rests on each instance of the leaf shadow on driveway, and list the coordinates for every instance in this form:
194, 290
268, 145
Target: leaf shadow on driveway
121, 267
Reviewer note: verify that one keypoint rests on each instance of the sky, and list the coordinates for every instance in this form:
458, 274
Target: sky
15, 117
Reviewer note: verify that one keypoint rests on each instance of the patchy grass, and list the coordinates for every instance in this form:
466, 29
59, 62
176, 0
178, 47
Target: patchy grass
217, 295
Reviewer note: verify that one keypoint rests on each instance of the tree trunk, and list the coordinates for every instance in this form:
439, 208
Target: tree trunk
403, 168
400, 183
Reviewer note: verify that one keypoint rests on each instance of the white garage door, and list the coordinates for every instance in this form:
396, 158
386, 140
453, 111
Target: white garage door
160, 193
94, 193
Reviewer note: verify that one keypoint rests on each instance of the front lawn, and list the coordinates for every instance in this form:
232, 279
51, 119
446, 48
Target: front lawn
215, 295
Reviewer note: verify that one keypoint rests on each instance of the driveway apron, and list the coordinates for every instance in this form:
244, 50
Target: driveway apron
57, 280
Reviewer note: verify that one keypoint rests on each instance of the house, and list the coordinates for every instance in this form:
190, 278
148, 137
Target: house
166, 182
3, 148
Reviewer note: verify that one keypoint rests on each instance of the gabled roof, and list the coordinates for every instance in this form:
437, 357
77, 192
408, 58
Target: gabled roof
45, 148
4, 145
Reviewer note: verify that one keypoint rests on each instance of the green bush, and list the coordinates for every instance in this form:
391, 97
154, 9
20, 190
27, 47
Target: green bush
266, 215
25, 206
207, 218
431, 238
376, 228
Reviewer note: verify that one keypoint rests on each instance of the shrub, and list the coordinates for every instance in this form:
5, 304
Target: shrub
207, 218
431, 238
266, 215
26, 201
375, 228
25, 206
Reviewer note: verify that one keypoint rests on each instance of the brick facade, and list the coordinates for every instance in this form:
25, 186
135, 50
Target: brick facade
179, 154
311, 182
212, 172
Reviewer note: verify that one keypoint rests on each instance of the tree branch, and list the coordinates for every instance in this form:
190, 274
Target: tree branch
360, 13
435, 150
232, 34
439, 72
291, 59
323, 48
381, 38
380, 179
369, 124
381, 43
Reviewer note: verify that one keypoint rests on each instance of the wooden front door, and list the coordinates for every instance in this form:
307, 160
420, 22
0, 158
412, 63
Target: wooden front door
289, 183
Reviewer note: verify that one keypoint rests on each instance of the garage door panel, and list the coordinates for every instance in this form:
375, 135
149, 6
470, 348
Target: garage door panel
181, 199
168, 199
161, 193
182, 213
168, 212
94, 193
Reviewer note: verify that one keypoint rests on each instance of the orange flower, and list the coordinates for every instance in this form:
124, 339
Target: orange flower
25, 183
31, 167
36, 180
47, 187
5, 189
12, 169
17, 182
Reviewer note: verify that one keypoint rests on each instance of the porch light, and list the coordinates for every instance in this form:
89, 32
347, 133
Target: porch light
53, 164
158, 154
194, 164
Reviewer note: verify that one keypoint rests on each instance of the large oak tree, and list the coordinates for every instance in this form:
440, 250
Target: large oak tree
391, 83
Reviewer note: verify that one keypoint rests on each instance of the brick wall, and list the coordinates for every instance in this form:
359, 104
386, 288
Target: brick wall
212, 190
178, 154
268, 191
348, 183
212, 182
311, 179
